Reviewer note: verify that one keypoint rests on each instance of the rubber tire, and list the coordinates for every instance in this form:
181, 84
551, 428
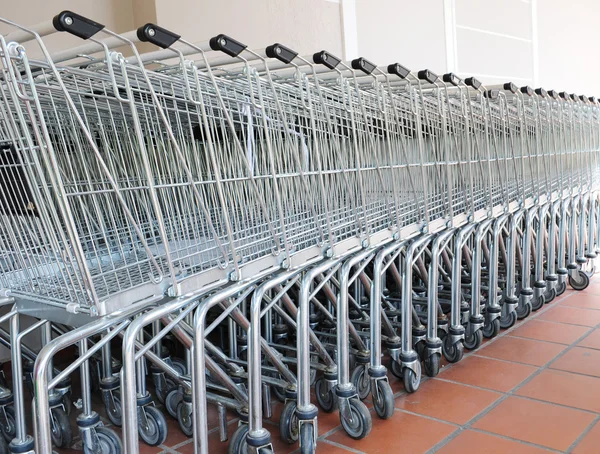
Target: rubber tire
66, 401
508, 321
492, 329
361, 380
432, 365
383, 399
62, 432
411, 379
361, 417
307, 438
453, 352
538, 303
474, 342
579, 286
550, 295
327, 401
115, 416
396, 369
174, 397
159, 425
525, 312
109, 441
237, 443
561, 287
186, 421
10, 430
288, 423
179, 365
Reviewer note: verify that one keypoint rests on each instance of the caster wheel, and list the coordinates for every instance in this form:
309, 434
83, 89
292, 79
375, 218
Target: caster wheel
237, 443
453, 351
307, 438
179, 365
383, 399
360, 423
411, 379
313, 376
3, 446
108, 442
396, 369
432, 365
185, 420
326, 398
66, 401
112, 404
362, 382
581, 283
523, 312
62, 432
508, 321
474, 341
174, 397
288, 423
549, 295
154, 432
538, 303
9, 428
560, 288
492, 329
278, 391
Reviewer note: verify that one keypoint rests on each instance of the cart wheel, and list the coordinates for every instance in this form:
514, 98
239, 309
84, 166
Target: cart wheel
112, 404
453, 351
432, 365
174, 397
383, 399
307, 438
288, 423
9, 428
396, 369
560, 288
185, 420
237, 444
524, 312
3, 446
549, 295
326, 398
411, 379
474, 341
154, 432
492, 329
508, 321
361, 380
66, 401
179, 365
62, 432
360, 423
581, 283
538, 303
108, 442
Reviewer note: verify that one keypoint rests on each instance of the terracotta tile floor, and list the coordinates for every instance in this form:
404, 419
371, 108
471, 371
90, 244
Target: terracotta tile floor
533, 389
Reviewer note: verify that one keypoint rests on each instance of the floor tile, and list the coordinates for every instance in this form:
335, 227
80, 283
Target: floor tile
536, 422
590, 443
486, 444
571, 315
448, 401
592, 340
525, 351
323, 447
582, 300
488, 373
403, 432
564, 388
550, 332
580, 361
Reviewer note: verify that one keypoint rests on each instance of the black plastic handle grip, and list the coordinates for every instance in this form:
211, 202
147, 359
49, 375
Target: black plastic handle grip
527, 90
451, 78
227, 45
473, 82
151, 33
592, 99
583, 98
564, 95
326, 59
553, 94
364, 65
281, 53
76, 25
397, 69
541, 92
509, 86
574, 97
427, 75
492, 94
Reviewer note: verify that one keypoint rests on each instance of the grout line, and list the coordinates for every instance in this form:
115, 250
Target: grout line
583, 434
516, 440
432, 418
